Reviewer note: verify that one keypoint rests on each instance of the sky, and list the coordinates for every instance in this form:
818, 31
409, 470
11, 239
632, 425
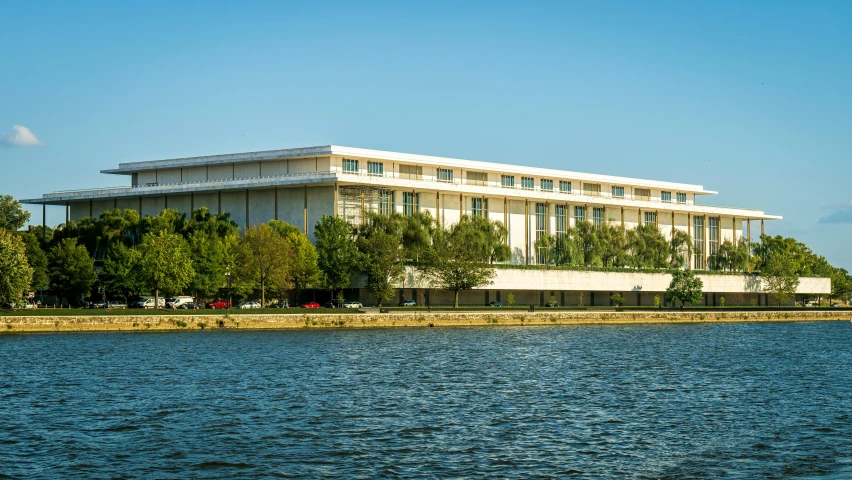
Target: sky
750, 99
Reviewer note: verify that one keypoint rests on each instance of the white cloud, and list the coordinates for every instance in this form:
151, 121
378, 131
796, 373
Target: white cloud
21, 136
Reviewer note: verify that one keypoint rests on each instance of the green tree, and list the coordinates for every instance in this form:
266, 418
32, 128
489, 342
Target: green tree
15, 272
458, 259
614, 244
731, 257
617, 299
589, 243
381, 256
685, 286
680, 249
120, 274
37, 259
303, 270
417, 231
12, 216
778, 274
337, 256
71, 270
207, 252
165, 263
646, 247
262, 261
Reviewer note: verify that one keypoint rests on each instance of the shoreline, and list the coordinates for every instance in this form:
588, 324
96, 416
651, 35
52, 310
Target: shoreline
147, 323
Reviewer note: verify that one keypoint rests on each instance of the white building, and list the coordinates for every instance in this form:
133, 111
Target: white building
300, 185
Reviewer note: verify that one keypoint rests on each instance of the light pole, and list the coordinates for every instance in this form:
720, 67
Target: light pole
228, 276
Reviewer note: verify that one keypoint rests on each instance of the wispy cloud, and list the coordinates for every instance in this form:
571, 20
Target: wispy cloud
21, 136
839, 215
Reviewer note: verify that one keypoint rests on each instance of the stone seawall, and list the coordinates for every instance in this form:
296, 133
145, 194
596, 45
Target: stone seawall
142, 323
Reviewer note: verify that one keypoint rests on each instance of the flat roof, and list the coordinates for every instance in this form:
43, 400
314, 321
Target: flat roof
129, 168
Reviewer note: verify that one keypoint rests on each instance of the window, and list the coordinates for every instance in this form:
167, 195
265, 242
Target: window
546, 185
642, 194
561, 220
477, 178
598, 216
479, 207
541, 231
375, 168
386, 203
411, 172
507, 181
527, 183
698, 241
579, 214
593, 189
564, 186
666, 196
350, 166
681, 197
713, 239
445, 175
410, 203
650, 218
618, 192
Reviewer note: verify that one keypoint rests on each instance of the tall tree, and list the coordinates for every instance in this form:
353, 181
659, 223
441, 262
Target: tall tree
303, 269
685, 286
417, 233
680, 249
262, 261
207, 252
589, 243
458, 259
337, 256
381, 256
778, 274
15, 272
120, 274
12, 215
165, 263
71, 270
37, 259
646, 247
614, 243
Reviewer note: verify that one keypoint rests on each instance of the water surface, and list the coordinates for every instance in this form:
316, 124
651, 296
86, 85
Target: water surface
645, 401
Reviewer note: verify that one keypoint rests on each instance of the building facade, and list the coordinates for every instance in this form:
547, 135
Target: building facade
300, 185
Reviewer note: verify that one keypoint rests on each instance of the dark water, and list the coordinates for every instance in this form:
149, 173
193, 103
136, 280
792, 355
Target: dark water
673, 401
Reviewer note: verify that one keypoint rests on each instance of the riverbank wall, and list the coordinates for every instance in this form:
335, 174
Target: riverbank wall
142, 323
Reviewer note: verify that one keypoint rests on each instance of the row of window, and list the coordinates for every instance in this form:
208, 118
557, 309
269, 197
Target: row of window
508, 181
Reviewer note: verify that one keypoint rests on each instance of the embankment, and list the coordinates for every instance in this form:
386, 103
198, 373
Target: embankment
141, 323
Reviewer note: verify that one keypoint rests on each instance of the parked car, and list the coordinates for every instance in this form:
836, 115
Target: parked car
811, 304
836, 304
552, 304
149, 303
352, 304
219, 304
176, 302
190, 306
408, 303
248, 305
311, 305
334, 303
281, 304
495, 304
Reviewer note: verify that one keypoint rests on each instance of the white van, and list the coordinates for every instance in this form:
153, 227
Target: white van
149, 303
176, 302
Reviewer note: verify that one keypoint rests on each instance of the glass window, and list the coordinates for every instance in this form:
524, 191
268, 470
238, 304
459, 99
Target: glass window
681, 197
642, 193
593, 189
386, 203
445, 175
411, 172
410, 203
541, 231
375, 168
564, 186
561, 220
507, 181
546, 185
598, 216
713, 239
698, 242
350, 166
618, 192
476, 207
650, 218
527, 183
579, 214
666, 196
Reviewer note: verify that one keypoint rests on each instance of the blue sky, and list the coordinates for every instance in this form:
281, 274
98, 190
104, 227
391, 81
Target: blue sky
752, 99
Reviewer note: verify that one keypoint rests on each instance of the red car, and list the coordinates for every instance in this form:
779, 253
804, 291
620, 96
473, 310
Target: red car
219, 304
311, 305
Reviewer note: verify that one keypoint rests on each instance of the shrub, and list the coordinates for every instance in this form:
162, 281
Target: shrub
510, 299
